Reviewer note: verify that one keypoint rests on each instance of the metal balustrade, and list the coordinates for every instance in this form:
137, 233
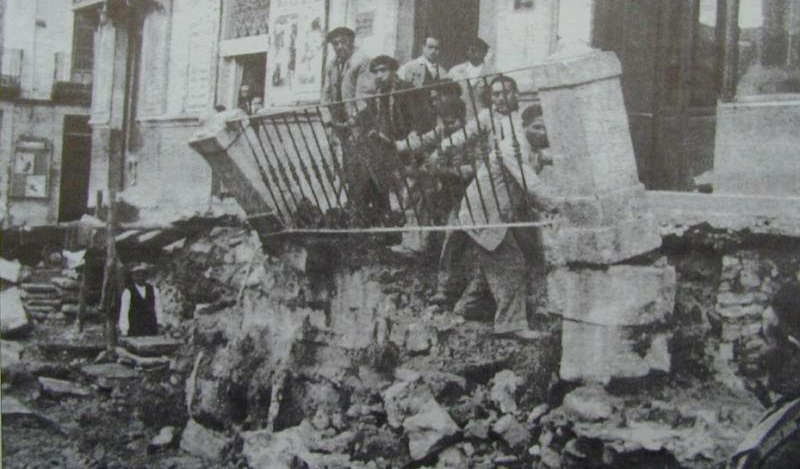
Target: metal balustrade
395, 162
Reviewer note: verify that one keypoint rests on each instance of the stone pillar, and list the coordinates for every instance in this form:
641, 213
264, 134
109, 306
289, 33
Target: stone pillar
613, 313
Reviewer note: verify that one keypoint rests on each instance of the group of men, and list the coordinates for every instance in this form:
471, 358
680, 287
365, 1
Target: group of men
472, 160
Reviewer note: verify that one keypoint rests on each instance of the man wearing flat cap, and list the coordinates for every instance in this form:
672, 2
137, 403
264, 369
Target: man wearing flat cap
140, 305
474, 68
347, 76
388, 116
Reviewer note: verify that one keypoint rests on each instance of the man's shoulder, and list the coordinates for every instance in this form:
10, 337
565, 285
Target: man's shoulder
412, 63
359, 58
458, 68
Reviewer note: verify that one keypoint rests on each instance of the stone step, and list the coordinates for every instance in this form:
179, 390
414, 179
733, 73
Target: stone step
49, 302
66, 283
40, 309
151, 346
72, 349
59, 388
109, 375
40, 288
27, 296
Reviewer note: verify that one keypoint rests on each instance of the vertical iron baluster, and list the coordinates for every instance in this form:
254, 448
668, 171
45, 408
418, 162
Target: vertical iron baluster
326, 167
450, 160
335, 161
302, 163
518, 157
292, 168
314, 166
484, 154
273, 173
281, 168
261, 172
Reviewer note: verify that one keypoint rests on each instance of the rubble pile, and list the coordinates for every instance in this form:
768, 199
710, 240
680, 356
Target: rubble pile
329, 356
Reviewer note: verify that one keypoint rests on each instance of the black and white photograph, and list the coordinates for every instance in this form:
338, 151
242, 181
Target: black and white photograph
400, 234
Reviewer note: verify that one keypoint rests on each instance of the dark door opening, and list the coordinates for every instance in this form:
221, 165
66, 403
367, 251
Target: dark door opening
454, 22
76, 156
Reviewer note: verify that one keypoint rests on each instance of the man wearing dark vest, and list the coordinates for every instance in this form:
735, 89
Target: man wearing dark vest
140, 309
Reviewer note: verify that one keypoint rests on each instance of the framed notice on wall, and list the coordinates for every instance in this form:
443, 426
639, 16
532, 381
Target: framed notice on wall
31, 168
294, 62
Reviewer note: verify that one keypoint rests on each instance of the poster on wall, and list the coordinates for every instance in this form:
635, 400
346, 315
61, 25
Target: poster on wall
294, 67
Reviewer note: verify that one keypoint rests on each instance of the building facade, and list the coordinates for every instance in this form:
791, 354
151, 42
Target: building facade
46, 61
709, 84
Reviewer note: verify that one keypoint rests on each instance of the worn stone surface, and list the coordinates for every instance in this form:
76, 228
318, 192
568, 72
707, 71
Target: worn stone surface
165, 438
405, 398
621, 295
427, 429
504, 389
599, 353
59, 388
11, 353
13, 322
151, 346
511, 431
591, 404
198, 440
604, 245
9, 270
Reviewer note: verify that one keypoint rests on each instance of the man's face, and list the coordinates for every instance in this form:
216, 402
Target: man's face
431, 50
505, 98
342, 46
475, 55
384, 76
139, 277
244, 91
536, 133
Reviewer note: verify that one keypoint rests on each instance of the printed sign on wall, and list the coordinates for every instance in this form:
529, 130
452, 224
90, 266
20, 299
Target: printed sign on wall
294, 64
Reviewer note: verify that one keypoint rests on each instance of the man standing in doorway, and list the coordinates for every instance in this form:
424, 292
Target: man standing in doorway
425, 70
474, 68
140, 306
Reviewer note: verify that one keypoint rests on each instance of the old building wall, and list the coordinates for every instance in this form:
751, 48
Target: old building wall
39, 121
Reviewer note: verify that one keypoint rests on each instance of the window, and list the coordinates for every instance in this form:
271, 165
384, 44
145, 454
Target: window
83, 45
769, 47
29, 178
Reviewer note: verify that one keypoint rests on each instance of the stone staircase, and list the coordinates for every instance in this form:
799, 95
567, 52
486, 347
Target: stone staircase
49, 294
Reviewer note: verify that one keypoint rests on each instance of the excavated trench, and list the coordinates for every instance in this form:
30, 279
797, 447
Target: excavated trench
328, 356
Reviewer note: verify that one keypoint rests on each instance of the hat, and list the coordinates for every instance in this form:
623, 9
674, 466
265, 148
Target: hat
383, 61
139, 267
340, 31
532, 112
479, 43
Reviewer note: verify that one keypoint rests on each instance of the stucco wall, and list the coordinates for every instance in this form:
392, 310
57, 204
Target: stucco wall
46, 121
758, 148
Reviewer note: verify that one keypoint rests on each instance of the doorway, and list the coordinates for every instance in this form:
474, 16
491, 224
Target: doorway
455, 22
76, 156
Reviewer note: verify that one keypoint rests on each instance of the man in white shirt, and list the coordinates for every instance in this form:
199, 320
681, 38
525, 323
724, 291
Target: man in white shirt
140, 306
473, 70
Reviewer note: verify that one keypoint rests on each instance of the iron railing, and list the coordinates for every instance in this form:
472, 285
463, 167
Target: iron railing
399, 160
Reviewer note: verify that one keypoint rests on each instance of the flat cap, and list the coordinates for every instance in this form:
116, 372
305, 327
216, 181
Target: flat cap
479, 43
340, 31
383, 60
139, 267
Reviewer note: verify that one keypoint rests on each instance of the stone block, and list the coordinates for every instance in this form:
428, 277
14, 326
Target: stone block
586, 124
58, 388
427, 429
9, 270
198, 440
604, 245
596, 353
620, 295
591, 404
605, 209
151, 346
13, 321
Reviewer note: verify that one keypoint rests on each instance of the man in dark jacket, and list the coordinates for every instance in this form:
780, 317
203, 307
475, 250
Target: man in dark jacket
140, 308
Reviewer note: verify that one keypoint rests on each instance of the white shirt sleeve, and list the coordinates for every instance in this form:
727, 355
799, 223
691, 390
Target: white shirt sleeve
157, 305
124, 306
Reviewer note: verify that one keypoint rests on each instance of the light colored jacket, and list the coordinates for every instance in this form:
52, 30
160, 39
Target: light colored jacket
496, 194
414, 72
357, 80
459, 74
